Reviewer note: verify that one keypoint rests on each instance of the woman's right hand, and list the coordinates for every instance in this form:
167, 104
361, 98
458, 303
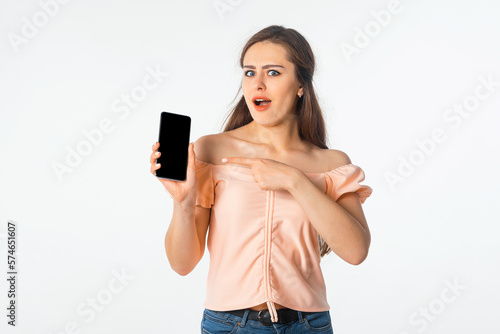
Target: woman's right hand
179, 190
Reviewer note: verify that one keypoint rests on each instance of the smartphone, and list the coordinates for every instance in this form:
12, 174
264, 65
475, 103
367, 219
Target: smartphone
174, 144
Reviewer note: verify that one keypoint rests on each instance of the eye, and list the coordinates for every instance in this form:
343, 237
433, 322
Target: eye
277, 73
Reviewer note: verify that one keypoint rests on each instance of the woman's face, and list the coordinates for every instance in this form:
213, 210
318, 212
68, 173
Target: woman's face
268, 74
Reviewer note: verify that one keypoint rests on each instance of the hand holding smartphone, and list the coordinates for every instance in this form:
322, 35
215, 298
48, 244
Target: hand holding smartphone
174, 143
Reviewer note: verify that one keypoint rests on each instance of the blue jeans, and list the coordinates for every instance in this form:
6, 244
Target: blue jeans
217, 322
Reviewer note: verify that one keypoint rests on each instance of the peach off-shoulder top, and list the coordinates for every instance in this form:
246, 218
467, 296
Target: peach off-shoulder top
262, 246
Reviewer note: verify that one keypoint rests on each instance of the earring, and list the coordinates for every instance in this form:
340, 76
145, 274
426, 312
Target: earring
300, 95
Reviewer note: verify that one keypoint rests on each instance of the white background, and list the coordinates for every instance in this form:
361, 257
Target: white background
434, 227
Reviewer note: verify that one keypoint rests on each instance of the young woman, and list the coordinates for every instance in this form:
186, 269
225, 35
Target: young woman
275, 197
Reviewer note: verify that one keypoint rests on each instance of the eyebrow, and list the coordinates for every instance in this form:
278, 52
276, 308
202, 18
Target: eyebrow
264, 67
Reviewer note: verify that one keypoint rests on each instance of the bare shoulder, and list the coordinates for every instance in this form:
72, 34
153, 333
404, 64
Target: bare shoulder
207, 148
336, 158
203, 147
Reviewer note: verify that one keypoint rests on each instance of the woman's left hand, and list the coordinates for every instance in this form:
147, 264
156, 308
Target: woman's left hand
269, 174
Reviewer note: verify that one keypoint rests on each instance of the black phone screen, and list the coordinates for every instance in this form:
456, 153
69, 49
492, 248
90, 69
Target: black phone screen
174, 144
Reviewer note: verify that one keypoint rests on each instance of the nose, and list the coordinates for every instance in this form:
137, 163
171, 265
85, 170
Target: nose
259, 83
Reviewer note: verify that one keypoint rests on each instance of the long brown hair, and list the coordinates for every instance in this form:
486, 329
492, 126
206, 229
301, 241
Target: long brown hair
310, 120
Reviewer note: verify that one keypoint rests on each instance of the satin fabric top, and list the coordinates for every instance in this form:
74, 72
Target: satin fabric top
262, 246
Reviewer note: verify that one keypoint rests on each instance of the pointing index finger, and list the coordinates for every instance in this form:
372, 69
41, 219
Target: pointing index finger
239, 161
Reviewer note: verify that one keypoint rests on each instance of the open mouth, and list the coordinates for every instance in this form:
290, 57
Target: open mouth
261, 102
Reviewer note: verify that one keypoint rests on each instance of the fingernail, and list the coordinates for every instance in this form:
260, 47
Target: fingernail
157, 165
157, 153
224, 160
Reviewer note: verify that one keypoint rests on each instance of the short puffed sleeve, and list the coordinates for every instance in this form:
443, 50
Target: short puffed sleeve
346, 179
204, 184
